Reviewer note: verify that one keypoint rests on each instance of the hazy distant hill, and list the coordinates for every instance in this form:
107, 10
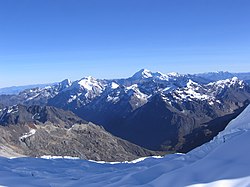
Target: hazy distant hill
18, 89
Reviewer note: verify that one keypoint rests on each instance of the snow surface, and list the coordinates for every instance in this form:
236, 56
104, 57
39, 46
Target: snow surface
114, 85
222, 162
192, 91
12, 109
88, 83
207, 92
72, 98
146, 73
132, 87
135, 92
228, 83
113, 99
28, 134
174, 74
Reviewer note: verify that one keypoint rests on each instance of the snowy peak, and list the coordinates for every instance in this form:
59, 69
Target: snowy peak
114, 85
210, 92
192, 84
66, 83
142, 74
160, 76
89, 83
228, 83
173, 74
85, 88
135, 91
147, 74
193, 91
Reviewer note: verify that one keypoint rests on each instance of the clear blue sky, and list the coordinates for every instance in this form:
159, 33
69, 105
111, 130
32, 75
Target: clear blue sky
45, 41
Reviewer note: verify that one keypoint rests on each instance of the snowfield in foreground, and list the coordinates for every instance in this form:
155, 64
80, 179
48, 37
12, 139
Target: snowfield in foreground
224, 161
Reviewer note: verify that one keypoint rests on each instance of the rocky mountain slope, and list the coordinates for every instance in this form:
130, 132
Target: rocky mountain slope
37, 131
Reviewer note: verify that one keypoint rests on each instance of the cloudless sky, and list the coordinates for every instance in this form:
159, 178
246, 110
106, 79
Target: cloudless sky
44, 41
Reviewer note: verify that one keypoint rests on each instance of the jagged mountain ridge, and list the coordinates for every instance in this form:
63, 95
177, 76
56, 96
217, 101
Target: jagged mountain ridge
173, 109
83, 91
20, 114
37, 131
17, 89
220, 75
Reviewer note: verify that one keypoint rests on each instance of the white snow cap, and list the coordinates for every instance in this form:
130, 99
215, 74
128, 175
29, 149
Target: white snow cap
191, 84
114, 85
142, 74
173, 74
145, 74
228, 82
88, 83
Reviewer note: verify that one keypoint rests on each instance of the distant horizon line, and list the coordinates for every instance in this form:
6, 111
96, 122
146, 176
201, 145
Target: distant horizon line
55, 82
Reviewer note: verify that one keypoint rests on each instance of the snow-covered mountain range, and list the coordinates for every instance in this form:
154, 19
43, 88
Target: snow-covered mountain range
154, 110
224, 161
143, 84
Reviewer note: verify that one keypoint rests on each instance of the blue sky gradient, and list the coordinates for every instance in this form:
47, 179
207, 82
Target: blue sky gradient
46, 41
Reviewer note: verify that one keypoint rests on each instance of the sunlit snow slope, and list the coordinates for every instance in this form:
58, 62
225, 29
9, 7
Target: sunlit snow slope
224, 161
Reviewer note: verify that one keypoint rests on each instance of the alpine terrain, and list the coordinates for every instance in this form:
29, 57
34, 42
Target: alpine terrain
163, 112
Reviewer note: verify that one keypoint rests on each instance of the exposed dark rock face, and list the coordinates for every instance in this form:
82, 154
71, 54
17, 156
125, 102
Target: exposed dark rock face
35, 96
37, 131
171, 129
20, 114
1, 106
